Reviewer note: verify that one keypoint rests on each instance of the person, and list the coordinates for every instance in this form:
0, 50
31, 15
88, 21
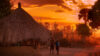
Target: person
51, 46
57, 47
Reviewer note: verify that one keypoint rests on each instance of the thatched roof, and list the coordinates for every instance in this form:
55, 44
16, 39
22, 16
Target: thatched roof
21, 26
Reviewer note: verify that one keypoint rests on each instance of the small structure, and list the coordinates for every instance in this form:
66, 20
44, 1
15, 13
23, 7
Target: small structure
20, 26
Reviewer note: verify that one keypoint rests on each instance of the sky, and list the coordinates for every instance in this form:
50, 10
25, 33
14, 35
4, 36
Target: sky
57, 10
64, 10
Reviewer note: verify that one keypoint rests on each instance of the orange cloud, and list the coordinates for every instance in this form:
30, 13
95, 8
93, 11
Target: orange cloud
40, 3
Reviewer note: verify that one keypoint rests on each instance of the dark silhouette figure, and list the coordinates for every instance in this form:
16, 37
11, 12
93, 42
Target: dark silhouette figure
51, 46
57, 47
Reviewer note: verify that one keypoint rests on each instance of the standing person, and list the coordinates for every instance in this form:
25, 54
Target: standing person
51, 46
57, 47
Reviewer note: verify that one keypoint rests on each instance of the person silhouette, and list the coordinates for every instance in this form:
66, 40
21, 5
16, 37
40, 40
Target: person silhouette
57, 46
51, 46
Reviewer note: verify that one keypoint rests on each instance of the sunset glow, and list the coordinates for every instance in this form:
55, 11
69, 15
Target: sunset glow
49, 27
55, 12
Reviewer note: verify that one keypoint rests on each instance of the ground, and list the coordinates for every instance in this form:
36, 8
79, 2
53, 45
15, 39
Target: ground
29, 51
71, 51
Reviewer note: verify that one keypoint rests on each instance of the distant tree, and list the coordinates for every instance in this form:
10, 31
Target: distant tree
68, 31
5, 8
94, 15
83, 30
58, 35
47, 25
55, 26
83, 14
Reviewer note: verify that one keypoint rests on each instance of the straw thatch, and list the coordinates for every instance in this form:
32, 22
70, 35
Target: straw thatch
21, 26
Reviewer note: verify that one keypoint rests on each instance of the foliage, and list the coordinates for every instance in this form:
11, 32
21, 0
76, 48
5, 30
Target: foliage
83, 30
5, 8
58, 34
83, 14
94, 15
76, 44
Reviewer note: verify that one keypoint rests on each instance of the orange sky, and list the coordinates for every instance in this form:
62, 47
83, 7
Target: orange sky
54, 9
59, 10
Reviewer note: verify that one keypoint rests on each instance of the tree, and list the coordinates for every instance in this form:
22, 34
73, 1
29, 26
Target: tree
83, 14
94, 15
47, 25
5, 8
55, 26
58, 35
83, 30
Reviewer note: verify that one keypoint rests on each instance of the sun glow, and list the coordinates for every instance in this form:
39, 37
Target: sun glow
57, 13
64, 16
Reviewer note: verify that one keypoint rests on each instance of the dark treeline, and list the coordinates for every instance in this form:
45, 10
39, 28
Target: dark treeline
5, 8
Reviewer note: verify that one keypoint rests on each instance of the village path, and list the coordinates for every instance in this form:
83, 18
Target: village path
29, 51
71, 51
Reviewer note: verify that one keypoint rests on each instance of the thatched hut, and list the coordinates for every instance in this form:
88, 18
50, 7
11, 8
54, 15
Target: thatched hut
19, 26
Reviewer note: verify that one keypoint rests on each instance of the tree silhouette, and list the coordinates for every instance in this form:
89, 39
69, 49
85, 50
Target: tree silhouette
5, 8
83, 30
94, 15
47, 25
55, 26
83, 14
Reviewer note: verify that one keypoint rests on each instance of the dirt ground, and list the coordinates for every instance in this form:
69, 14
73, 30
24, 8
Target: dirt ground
29, 51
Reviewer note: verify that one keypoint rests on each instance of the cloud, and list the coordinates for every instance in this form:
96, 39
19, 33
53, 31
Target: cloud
74, 1
39, 3
59, 11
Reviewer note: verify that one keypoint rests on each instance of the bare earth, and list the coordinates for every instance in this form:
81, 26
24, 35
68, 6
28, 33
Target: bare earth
29, 51
71, 51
